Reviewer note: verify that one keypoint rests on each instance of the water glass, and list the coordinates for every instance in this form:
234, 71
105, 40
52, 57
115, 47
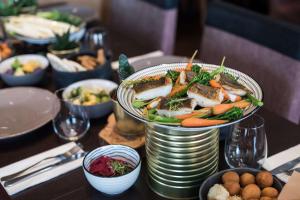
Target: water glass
71, 121
246, 145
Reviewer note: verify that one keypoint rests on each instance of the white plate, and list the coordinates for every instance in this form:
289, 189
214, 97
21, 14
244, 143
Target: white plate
126, 95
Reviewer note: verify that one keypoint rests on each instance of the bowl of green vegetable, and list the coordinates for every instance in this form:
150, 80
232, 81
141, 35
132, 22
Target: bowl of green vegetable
92, 94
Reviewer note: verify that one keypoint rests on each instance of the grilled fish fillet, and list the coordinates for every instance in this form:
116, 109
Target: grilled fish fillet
232, 86
205, 96
153, 88
184, 107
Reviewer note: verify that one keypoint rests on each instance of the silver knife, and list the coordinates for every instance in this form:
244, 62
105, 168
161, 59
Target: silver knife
13, 181
286, 166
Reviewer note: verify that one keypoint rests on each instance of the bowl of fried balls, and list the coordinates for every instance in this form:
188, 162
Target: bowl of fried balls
240, 184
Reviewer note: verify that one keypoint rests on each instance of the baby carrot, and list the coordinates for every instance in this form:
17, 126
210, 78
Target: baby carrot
222, 108
214, 83
194, 122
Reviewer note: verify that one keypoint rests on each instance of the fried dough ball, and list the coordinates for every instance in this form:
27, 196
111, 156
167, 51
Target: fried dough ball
265, 198
251, 191
230, 177
269, 192
264, 179
232, 187
247, 178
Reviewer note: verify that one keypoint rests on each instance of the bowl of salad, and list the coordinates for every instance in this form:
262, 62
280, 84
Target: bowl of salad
23, 70
92, 94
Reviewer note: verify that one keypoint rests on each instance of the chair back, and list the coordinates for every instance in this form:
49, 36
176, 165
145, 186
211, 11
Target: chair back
268, 51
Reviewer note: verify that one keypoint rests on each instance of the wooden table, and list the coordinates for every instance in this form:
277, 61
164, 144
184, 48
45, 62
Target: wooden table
281, 134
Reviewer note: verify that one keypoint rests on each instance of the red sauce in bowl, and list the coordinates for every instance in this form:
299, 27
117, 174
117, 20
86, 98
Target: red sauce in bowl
109, 167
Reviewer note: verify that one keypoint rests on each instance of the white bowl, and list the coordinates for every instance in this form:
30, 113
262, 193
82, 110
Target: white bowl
113, 185
25, 80
98, 110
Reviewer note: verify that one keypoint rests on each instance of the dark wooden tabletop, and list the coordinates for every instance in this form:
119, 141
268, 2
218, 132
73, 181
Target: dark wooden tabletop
281, 134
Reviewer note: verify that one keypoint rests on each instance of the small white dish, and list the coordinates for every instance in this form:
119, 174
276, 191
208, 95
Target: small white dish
113, 185
98, 110
25, 80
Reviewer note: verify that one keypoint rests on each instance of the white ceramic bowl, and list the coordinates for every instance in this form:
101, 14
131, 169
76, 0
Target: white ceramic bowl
25, 80
98, 110
113, 185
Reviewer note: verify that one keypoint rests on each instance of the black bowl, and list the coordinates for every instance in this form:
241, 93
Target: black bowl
217, 179
63, 79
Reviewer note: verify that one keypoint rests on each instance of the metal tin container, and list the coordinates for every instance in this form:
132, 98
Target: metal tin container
179, 160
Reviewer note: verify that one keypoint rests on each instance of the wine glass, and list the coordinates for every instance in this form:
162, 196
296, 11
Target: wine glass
246, 145
71, 121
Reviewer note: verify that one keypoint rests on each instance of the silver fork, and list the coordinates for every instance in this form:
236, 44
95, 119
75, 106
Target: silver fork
62, 156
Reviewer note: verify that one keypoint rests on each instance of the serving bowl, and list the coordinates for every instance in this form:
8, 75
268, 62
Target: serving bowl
65, 78
113, 185
98, 110
217, 179
24, 80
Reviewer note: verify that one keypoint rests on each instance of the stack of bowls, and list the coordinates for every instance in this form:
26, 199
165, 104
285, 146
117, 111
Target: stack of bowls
178, 160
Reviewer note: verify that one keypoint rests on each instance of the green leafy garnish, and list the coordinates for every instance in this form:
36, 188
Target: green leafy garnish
9, 9
203, 77
139, 103
24, 3
231, 115
63, 42
196, 69
62, 17
254, 100
172, 75
120, 168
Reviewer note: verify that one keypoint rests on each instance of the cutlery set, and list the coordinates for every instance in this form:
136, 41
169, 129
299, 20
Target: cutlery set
72, 154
